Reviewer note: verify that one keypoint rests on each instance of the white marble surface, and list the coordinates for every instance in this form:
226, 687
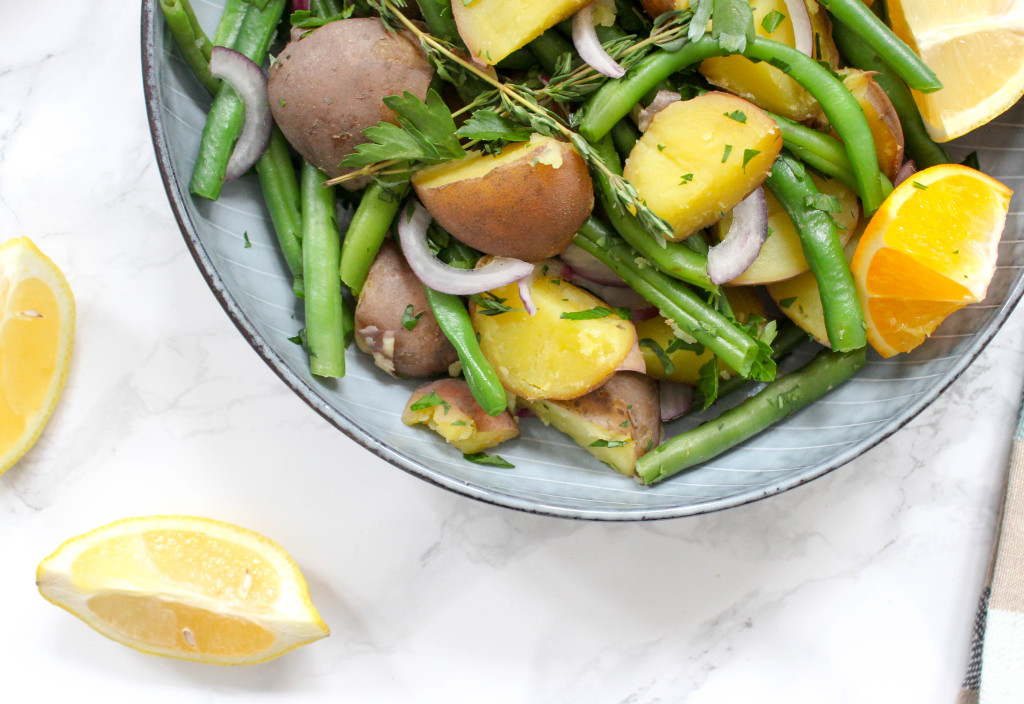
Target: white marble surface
859, 587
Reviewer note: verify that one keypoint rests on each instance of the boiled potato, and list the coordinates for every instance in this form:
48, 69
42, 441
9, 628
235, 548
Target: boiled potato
547, 355
326, 88
825, 48
695, 163
782, 255
391, 288
527, 202
686, 359
761, 83
493, 29
800, 301
618, 423
456, 416
882, 118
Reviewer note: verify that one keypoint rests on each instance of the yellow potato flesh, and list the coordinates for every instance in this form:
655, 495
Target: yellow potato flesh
544, 355
542, 150
695, 163
782, 255
688, 361
800, 300
761, 83
456, 427
493, 29
621, 455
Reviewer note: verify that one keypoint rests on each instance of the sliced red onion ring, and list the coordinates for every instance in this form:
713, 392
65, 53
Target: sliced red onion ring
298, 5
526, 297
908, 169
588, 46
662, 100
248, 80
590, 267
742, 243
676, 399
802, 29
412, 232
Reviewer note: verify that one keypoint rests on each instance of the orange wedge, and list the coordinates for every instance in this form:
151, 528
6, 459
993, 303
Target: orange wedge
976, 49
929, 250
37, 328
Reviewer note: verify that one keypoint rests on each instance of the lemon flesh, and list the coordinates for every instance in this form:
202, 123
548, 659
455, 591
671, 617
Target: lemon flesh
184, 587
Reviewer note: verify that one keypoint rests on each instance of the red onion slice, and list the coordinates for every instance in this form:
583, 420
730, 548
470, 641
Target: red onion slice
590, 267
662, 100
908, 169
676, 399
803, 32
248, 80
526, 297
634, 361
300, 5
588, 46
742, 243
412, 232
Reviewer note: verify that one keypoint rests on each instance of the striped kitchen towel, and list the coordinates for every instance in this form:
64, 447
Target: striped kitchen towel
995, 674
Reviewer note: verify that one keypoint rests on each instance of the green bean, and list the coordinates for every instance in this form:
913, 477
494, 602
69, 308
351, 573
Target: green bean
875, 34
674, 258
367, 231
920, 146
675, 302
788, 339
454, 321
281, 193
548, 47
227, 113
796, 192
520, 59
230, 22
321, 254
615, 99
819, 150
624, 136
774, 403
440, 20
325, 8
194, 45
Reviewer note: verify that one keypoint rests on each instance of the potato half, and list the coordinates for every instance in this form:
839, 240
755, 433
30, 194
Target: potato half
569, 347
699, 158
456, 416
326, 88
782, 255
493, 29
618, 423
391, 292
527, 202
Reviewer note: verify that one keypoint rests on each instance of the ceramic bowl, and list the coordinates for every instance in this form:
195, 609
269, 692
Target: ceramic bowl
236, 252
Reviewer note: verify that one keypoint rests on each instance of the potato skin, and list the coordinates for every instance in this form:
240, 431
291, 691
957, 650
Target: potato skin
326, 87
524, 208
391, 286
464, 424
657, 7
626, 409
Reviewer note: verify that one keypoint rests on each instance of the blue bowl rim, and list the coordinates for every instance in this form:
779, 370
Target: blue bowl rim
175, 197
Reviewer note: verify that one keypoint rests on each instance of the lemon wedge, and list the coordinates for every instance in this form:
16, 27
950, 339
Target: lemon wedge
977, 51
184, 587
37, 329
